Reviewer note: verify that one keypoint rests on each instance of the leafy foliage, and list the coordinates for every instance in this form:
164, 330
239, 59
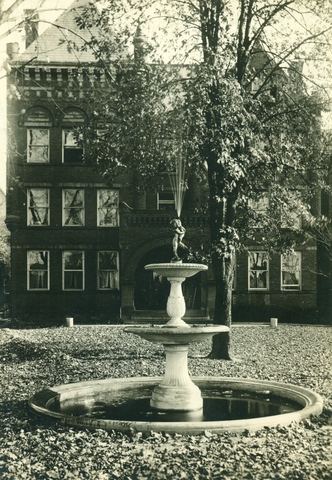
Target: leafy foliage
4, 245
244, 122
4, 234
237, 107
137, 141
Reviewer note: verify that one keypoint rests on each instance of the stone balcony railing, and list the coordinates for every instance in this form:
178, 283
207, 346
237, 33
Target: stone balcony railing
152, 218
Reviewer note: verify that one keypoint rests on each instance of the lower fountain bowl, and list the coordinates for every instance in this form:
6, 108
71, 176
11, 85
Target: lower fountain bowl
176, 335
229, 404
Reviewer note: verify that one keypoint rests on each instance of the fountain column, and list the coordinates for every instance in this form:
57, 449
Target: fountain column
176, 391
176, 306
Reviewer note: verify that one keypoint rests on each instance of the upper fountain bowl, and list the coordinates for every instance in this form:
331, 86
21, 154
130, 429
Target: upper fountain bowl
176, 269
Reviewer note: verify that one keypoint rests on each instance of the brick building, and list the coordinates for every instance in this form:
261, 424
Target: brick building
79, 246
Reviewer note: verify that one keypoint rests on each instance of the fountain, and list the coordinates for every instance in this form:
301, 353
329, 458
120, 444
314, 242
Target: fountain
176, 392
177, 403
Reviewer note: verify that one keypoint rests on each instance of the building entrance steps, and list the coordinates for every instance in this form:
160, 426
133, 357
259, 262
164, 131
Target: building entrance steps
158, 317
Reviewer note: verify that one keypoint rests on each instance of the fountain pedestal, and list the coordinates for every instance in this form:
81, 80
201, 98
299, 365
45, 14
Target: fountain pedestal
176, 306
176, 392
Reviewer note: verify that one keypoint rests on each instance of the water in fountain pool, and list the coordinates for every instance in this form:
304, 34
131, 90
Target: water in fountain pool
229, 405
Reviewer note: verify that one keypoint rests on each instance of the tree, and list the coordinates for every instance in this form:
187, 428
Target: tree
238, 109
18, 13
4, 249
320, 229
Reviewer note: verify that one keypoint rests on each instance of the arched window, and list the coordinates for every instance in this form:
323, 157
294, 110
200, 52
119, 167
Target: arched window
72, 137
38, 121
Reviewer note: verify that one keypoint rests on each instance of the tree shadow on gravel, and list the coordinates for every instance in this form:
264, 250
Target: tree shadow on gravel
113, 354
16, 415
18, 350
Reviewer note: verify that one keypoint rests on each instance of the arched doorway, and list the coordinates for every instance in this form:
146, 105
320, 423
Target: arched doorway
151, 290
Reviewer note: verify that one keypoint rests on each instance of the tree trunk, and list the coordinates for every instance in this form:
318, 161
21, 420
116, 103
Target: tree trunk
223, 273
221, 211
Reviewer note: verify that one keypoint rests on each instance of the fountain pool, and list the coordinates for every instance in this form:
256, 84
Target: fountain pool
229, 404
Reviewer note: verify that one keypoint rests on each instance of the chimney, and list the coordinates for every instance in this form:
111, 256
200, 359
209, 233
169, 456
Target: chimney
12, 50
31, 26
140, 45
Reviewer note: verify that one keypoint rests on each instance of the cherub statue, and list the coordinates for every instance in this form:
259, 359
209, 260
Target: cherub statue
179, 232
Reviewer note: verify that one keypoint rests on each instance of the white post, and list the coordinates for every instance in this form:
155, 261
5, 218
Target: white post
274, 322
69, 321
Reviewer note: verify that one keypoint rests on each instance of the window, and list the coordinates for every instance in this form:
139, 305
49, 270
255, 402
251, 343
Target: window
258, 210
38, 207
73, 207
260, 205
166, 201
290, 215
108, 270
291, 220
258, 270
291, 271
255, 84
38, 121
73, 270
38, 142
108, 208
72, 150
38, 270
72, 147
101, 136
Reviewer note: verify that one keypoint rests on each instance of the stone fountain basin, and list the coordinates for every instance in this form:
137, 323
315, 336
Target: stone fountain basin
177, 269
58, 401
169, 335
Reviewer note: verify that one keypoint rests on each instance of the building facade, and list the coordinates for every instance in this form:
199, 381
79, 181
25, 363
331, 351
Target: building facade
79, 246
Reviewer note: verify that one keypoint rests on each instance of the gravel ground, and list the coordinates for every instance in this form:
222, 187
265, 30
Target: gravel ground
37, 448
